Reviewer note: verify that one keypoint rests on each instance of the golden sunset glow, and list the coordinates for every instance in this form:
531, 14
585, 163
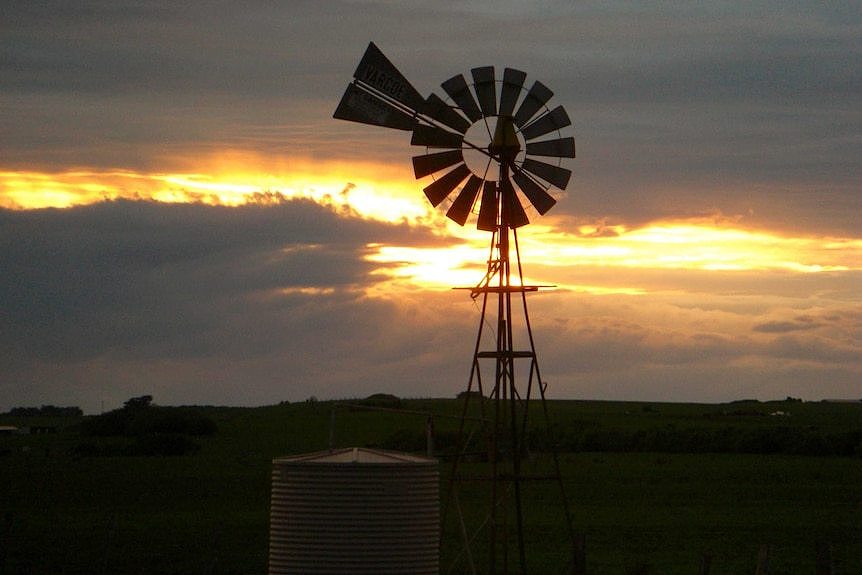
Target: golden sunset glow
383, 193
439, 268
695, 245
669, 246
377, 191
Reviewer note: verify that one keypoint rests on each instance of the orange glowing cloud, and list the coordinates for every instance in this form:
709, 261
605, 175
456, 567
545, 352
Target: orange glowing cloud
370, 190
673, 245
388, 193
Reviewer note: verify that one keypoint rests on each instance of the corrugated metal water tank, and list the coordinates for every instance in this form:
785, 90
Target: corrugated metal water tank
358, 511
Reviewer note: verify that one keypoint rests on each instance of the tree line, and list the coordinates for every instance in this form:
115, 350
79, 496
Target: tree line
142, 428
46, 411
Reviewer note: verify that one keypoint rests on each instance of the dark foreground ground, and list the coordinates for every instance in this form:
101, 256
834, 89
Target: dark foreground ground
657, 485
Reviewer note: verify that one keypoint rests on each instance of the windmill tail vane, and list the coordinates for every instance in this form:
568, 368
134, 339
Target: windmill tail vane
493, 148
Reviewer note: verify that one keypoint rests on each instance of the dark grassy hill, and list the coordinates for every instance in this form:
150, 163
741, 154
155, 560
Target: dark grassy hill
649, 483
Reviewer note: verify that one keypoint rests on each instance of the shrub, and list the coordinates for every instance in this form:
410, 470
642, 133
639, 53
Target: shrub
153, 430
382, 400
136, 421
165, 444
404, 440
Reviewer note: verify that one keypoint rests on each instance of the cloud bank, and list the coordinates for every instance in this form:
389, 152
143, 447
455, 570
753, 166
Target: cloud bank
264, 303
736, 111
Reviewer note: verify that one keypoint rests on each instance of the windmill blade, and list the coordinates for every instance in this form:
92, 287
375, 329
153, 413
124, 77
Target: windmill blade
553, 120
486, 90
515, 215
358, 105
457, 88
441, 188
537, 97
375, 70
561, 148
430, 163
513, 82
440, 111
459, 211
488, 208
552, 174
538, 196
434, 137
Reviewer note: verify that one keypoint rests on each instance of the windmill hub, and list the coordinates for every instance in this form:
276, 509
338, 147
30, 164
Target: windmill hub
485, 133
505, 144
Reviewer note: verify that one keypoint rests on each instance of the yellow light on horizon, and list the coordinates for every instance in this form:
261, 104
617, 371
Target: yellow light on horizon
389, 194
697, 246
362, 188
431, 267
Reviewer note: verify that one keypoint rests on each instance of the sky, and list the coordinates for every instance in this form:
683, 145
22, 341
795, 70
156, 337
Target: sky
181, 216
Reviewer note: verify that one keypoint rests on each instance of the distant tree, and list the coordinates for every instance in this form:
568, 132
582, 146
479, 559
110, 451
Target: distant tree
138, 402
139, 417
163, 444
382, 400
54, 411
108, 424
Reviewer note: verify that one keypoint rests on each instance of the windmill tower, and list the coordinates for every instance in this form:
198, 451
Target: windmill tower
481, 149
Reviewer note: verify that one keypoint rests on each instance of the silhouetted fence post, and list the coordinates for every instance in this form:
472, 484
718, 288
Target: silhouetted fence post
641, 569
429, 436
763, 561
705, 564
824, 558
579, 555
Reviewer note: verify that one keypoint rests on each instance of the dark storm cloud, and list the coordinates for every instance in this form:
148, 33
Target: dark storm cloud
200, 304
117, 47
746, 109
798, 324
142, 279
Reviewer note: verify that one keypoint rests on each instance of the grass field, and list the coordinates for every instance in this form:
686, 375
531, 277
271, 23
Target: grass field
208, 512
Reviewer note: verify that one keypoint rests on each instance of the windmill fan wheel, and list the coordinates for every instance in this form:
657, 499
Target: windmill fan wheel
489, 135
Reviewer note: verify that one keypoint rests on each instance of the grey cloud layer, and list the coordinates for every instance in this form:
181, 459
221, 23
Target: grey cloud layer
205, 304
250, 305
614, 347
146, 279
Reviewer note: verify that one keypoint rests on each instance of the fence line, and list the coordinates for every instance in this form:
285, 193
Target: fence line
823, 550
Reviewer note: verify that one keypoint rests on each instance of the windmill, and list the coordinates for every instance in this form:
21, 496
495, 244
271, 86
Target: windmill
482, 148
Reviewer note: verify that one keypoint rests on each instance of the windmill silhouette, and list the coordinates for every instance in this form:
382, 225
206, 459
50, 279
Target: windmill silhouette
482, 146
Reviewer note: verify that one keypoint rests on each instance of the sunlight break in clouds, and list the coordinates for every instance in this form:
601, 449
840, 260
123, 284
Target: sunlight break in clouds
385, 193
374, 191
694, 245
